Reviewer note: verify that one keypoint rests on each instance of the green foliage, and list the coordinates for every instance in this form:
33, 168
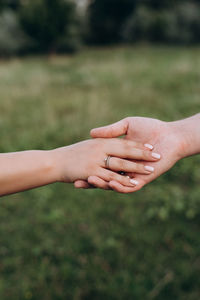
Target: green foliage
12, 38
11, 4
51, 24
61, 243
177, 24
105, 18
168, 21
159, 5
54, 26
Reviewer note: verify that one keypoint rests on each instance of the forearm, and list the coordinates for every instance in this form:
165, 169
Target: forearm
188, 134
20, 171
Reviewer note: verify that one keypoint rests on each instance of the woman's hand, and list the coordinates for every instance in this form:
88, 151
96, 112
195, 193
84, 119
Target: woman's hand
85, 159
25, 170
168, 139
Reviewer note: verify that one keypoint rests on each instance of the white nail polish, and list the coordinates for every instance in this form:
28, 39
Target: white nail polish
149, 168
148, 146
155, 155
134, 182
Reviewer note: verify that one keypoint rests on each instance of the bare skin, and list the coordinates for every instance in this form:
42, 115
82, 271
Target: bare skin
29, 169
173, 140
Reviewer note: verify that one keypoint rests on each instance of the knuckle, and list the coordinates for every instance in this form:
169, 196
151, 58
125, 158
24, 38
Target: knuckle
121, 164
139, 167
145, 154
119, 178
111, 176
122, 179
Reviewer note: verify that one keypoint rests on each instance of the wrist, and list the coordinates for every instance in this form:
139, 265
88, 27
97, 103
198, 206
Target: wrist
180, 138
60, 160
51, 165
187, 134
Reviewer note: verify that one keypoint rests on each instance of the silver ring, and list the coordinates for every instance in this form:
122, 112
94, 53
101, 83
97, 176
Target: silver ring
106, 161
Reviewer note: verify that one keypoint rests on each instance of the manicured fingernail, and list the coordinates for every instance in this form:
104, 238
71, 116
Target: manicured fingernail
148, 146
134, 182
155, 155
148, 168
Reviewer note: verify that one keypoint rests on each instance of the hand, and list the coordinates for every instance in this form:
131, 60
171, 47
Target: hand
162, 135
85, 159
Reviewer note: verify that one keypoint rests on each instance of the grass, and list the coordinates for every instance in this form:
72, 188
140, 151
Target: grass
60, 243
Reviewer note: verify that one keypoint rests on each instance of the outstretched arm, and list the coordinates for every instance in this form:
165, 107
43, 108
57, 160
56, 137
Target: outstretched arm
29, 169
20, 171
173, 140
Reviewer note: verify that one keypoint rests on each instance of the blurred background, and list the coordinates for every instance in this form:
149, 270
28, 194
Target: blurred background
66, 67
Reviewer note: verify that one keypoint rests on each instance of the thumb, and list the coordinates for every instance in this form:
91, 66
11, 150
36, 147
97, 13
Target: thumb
111, 131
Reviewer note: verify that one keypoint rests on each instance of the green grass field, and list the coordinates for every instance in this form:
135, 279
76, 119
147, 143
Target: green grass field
60, 243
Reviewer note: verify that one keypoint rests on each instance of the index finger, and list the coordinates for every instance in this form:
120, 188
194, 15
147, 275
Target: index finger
131, 150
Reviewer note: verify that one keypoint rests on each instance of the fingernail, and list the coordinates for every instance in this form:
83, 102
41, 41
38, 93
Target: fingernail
148, 168
148, 146
155, 155
134, 182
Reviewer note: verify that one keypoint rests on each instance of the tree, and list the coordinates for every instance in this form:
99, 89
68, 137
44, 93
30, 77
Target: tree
12, 4
105, 19
49, 23
157, 21
12, 38
159, 4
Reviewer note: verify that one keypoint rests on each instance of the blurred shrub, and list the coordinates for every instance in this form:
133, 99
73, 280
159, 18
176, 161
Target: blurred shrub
13, 4
51, 24
12, 38
54, 25
183, 24
178, 25
105, 19
158, 5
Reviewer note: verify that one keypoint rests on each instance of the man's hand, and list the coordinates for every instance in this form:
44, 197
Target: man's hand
165, 137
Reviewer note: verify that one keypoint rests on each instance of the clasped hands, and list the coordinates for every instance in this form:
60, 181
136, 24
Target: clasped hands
149, 148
